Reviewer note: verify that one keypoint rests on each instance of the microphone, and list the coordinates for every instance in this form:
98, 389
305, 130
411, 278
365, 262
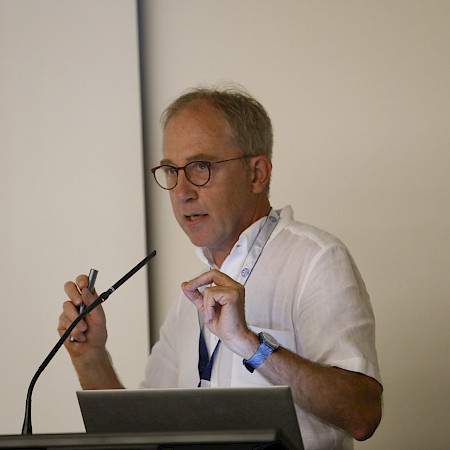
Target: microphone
27, 427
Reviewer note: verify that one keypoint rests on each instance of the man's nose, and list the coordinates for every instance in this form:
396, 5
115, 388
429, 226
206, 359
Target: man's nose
184, 190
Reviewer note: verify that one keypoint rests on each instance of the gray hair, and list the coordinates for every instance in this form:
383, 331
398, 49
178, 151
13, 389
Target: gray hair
249, 122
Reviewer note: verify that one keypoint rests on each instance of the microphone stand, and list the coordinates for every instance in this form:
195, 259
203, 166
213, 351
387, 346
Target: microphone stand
27, 427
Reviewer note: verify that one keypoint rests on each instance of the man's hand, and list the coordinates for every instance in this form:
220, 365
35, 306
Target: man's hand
91, 331
222, 307
88, 353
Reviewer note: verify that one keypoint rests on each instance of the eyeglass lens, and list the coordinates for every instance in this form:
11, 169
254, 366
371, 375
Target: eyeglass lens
197, 172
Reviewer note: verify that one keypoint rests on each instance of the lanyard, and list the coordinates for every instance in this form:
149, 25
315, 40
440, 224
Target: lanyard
205, 364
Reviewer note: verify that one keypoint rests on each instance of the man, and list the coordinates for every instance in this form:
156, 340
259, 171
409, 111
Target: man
267, 273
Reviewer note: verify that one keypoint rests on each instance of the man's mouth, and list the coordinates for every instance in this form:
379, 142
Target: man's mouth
195, 217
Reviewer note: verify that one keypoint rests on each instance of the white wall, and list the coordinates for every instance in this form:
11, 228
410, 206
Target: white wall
359, 97
71, 193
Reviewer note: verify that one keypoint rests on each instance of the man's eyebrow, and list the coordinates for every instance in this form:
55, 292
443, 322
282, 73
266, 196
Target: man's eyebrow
196, 157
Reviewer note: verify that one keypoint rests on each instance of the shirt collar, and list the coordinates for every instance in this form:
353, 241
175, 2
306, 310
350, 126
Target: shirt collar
239, 251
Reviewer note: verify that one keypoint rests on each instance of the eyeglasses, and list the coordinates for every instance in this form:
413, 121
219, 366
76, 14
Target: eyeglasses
197, 172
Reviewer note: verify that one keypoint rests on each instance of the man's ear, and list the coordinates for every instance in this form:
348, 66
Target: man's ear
261, 170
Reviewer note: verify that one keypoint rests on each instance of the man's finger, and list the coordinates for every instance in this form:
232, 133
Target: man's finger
88, 297
209, 302
82, 281
192, 293
73, 293
213, 276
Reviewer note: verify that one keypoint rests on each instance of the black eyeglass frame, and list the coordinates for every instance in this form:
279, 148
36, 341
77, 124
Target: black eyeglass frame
207, 163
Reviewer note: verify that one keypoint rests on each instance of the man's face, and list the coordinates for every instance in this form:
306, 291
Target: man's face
213, 215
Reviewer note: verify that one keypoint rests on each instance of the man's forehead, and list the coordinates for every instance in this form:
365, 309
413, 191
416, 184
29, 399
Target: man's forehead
199, 114
196, 135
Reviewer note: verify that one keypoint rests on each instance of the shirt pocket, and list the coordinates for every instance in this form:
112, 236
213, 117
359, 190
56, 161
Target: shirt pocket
240, 376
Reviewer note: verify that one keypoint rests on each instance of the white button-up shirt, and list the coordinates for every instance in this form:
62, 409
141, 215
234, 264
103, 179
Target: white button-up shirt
306, 291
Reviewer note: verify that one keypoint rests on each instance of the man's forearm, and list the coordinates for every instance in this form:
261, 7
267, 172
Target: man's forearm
349, 400
96, 371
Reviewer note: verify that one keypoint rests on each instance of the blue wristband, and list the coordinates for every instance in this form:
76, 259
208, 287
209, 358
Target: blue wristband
267, 347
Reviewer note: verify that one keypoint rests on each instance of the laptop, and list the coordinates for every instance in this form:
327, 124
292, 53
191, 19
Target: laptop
199, 409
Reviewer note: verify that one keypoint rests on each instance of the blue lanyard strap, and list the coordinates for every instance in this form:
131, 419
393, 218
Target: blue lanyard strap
205, 364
